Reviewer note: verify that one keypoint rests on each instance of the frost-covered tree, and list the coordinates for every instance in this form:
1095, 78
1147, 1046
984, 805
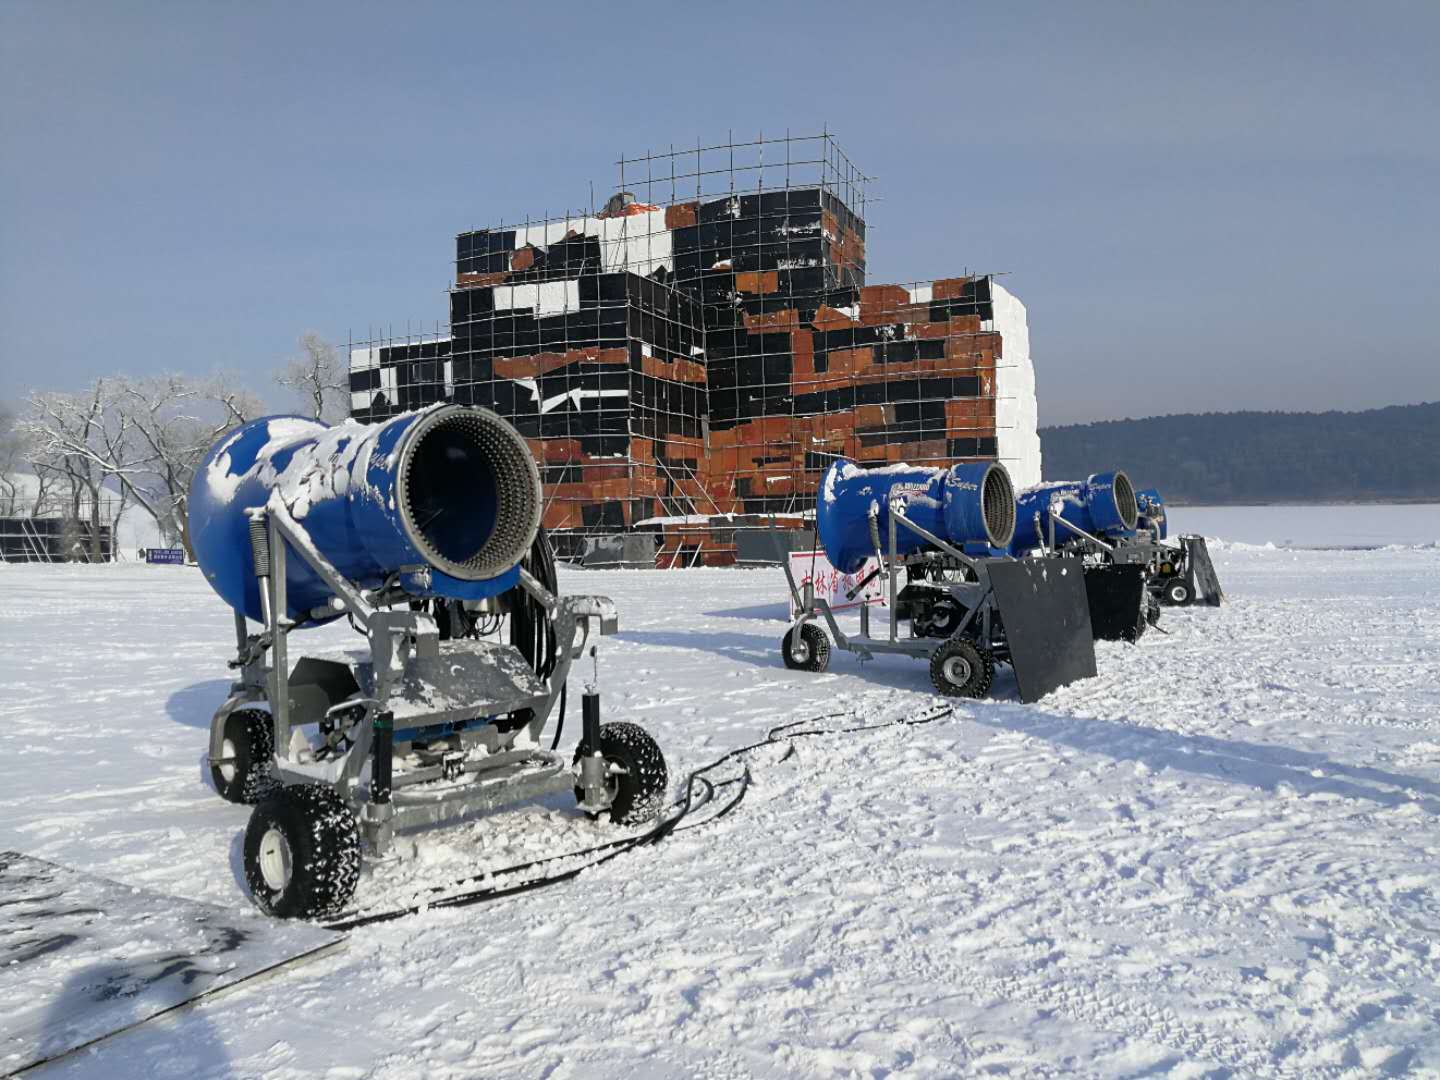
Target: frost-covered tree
68, 438
144, 437
15, 496
318, 379
171, 421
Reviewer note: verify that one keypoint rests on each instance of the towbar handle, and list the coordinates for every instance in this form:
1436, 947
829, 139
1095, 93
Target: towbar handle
871, 576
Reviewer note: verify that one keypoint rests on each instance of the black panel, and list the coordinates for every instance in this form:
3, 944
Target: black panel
1043, 605
1116, 596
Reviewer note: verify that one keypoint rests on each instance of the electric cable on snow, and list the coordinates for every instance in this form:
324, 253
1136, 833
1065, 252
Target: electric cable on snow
680, 810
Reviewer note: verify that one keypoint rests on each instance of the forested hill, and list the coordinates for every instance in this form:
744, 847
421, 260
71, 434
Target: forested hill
1257, 457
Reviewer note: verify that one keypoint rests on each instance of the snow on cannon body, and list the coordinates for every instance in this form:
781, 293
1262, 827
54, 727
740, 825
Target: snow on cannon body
424, 531
965, 603
1119, 535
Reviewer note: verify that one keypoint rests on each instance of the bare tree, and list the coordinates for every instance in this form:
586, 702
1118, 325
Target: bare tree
318, 379
146, 436
14, 451
69, 444
171, 422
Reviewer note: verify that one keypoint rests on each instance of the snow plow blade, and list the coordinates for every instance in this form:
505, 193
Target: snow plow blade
1202, 571
1116, 596
1047, 623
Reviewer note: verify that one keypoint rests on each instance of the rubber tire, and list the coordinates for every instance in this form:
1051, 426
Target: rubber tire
982, 669
1177, 593
816, 645
324, 838
640, 792
253, 736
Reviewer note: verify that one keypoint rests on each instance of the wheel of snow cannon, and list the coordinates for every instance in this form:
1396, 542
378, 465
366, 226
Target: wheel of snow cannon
249, 744
637, 785
806, 649
959, 669
1176, 592
302, 852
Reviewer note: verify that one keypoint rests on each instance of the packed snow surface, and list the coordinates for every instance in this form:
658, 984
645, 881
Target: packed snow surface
1219, 858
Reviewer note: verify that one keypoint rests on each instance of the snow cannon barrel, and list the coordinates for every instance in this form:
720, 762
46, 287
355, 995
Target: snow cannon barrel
971, 506
1151, 513
1103, 506
445, 501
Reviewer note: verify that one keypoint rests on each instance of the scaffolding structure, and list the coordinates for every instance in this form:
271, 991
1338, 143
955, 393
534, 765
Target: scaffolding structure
54, 535
687, 359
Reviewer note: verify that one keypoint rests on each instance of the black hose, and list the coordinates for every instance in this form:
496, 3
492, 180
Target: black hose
560, 721
681, 808
531, 630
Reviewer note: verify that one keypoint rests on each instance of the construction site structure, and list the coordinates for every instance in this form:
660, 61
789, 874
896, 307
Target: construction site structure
48, 524
687, 360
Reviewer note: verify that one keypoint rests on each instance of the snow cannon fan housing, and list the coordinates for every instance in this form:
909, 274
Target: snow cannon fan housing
971, 506
1103, 506
1151, 512
446, 501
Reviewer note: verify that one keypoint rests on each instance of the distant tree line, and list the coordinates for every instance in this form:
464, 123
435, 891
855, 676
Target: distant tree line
125, 441
1259, 457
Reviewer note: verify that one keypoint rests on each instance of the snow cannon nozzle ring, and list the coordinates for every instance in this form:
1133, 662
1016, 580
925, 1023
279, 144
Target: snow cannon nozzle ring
470, 498
997, 504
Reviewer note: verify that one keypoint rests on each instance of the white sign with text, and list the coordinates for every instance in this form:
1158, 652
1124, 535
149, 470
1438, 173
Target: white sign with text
831, 585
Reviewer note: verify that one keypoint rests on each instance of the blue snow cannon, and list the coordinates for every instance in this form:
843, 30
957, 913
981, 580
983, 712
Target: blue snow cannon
1151, 513
1103, 506
971, 506
442, 502
966, 603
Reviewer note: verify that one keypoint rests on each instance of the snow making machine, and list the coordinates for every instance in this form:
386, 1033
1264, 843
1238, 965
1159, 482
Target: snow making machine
1181, 571
965, 603
1120, 537
424, 533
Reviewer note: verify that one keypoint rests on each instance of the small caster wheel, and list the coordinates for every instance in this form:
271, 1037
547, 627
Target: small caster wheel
807, 649
1177, 593
637, 778
249, 749
302, 852
959, 669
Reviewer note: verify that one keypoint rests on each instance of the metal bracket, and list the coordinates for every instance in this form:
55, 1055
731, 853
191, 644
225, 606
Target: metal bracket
1054, 517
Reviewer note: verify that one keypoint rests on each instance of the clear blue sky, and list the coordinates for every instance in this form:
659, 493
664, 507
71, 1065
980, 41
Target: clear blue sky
1204, 206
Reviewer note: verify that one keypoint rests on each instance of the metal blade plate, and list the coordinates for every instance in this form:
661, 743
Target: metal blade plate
1202, 572
1047, 622
1116, 595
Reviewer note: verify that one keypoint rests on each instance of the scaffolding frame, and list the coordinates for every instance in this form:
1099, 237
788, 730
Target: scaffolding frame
709, 392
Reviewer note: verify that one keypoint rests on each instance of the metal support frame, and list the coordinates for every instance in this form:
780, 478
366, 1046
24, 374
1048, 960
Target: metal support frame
1144, 549
513, 764
1054, 518
976, 597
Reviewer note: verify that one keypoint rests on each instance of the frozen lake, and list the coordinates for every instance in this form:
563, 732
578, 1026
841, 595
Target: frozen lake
1362, 525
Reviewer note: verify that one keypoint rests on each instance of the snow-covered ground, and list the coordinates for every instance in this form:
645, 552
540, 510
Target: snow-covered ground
1221, 857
